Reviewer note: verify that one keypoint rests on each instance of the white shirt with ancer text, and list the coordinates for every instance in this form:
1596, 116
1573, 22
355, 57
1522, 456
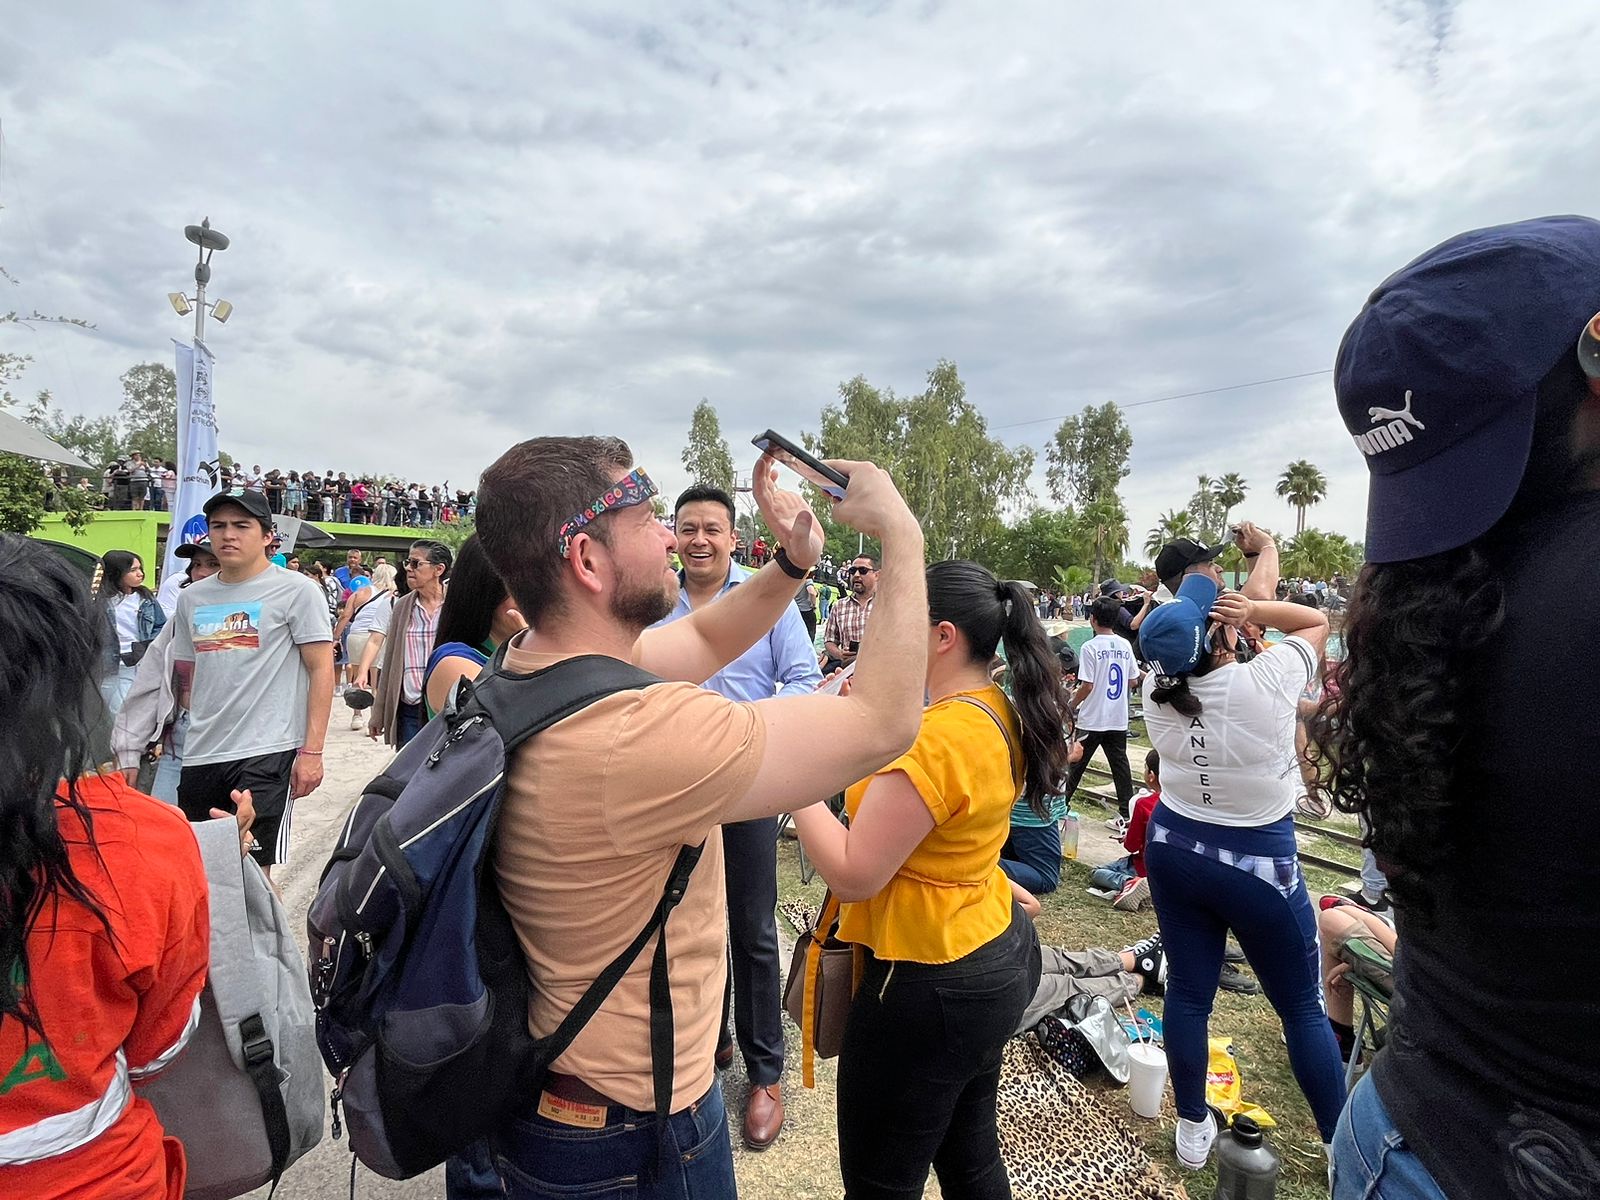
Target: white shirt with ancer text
1106, 661
1235, 764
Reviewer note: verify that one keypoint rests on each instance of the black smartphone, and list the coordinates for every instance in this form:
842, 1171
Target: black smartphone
803, 463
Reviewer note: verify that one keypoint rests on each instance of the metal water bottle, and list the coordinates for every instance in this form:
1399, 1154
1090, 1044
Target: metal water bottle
1247, 1165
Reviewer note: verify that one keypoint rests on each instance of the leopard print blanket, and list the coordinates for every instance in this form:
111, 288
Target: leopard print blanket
1061, 1140
1064, 1141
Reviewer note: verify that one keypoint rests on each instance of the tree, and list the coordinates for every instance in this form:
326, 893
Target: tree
96, 440
1088, 457
1302, 485
1169, 527
25, 488
706, 457
1036, 547
956, 479
1205, 507
149, 413
1313, 554
1231, 490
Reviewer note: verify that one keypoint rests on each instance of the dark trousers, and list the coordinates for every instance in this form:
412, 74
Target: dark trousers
1031, 857
1115, 744
750, 867
921, 1065
409, 720
809, 616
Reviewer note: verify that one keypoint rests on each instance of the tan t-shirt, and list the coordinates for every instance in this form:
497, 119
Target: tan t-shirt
595, 811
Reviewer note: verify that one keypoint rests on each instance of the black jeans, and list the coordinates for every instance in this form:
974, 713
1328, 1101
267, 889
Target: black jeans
1115, 744
750, 868
920, 1067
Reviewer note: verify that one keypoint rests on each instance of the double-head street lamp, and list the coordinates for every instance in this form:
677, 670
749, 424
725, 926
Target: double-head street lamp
208, 240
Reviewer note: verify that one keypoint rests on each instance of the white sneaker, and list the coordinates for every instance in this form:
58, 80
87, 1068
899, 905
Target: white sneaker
1118, 826
1194, 1141
357, 720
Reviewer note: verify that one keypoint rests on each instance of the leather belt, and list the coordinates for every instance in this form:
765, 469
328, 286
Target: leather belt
570, 1087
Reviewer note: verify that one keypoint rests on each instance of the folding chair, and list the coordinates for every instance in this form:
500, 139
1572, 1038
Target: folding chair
1370, 971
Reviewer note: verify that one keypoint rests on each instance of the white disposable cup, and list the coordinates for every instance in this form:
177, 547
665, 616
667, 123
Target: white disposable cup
1147, 1078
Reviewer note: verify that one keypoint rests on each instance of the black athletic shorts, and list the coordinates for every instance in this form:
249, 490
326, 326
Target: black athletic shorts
209, 785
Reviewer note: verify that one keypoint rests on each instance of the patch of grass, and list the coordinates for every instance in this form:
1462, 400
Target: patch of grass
804, 1161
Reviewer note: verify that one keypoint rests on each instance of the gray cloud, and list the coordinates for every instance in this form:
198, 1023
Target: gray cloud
457, 228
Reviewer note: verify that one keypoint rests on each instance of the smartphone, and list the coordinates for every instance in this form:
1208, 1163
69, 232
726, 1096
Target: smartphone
804, 464
836, 685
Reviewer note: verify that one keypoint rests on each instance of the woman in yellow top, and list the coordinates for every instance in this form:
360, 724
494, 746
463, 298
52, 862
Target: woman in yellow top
951, 961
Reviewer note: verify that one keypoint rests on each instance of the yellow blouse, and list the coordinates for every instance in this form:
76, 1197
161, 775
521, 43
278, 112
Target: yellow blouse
950, 896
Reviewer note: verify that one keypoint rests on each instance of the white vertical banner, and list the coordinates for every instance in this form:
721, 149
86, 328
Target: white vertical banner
197, 449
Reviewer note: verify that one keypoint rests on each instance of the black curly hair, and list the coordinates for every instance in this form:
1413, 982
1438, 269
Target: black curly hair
1385, 741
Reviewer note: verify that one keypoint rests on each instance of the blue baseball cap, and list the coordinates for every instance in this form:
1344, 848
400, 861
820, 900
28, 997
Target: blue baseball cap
1173, 638
1437, 378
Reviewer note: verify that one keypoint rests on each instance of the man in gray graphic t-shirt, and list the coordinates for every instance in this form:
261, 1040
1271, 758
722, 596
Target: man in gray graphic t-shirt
259, 643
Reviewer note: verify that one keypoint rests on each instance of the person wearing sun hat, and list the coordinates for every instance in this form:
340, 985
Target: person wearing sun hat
1220, 850
1470, 384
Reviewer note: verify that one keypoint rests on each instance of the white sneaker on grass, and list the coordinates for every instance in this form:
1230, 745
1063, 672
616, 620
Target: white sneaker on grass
1194, 1141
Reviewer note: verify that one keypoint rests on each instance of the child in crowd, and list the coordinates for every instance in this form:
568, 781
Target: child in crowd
1124, 878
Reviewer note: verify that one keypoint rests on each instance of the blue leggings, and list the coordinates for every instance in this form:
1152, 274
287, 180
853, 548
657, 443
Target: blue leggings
1198, 900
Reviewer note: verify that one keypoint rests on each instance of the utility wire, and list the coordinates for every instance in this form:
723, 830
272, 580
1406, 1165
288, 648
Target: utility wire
1232, 387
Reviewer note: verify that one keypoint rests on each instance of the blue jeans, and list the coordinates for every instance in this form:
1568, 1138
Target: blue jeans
408, 722
1032, 857
1198, 899
541, 1159
1370, 1158
1113, 875
169, 767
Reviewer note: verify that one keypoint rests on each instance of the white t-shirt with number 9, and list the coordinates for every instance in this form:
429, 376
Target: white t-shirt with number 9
1106, 661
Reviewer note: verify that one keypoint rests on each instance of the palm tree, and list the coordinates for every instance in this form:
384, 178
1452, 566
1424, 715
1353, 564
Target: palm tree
1169, 527
1302, 485
1105, 527
1231, 490
1204, 507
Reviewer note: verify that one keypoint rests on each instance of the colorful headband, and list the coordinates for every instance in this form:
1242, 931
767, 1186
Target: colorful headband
632, 489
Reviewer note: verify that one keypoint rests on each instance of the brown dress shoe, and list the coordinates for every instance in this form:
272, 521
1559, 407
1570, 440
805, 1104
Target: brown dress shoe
763, 1116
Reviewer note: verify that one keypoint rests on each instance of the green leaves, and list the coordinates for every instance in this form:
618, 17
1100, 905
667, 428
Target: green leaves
957, 479
1302, 485
706, 457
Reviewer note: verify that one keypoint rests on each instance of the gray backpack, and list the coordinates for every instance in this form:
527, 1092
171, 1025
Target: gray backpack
245, 1096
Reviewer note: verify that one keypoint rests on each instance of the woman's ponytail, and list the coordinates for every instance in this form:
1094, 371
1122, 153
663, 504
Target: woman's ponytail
1038, 694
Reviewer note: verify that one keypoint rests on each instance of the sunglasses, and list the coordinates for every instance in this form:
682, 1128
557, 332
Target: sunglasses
1589, 348
859, 570
631, 490
416, 564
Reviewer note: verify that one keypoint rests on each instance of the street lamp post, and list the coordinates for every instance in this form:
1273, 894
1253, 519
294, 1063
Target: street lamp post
207, 240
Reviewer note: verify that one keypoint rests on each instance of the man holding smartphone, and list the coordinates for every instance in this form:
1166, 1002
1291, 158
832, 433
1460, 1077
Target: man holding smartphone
568, 525
847, 619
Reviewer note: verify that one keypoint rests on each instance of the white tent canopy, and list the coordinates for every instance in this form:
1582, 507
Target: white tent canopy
18, 437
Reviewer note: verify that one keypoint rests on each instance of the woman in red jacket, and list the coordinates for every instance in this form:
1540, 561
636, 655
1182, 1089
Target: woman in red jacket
104, 926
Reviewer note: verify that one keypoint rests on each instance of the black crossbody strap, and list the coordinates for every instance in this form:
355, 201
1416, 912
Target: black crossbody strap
261, 1065
594, 997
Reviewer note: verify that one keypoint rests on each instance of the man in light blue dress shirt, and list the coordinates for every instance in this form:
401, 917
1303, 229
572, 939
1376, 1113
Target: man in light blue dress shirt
783, 662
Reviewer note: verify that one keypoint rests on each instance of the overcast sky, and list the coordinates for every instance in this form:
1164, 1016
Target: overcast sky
454, 228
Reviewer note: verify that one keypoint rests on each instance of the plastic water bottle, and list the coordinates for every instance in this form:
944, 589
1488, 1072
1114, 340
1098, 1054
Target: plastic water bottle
1247, 1165
1069, 836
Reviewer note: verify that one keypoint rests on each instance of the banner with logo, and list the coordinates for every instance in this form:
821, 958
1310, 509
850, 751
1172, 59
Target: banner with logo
197, 449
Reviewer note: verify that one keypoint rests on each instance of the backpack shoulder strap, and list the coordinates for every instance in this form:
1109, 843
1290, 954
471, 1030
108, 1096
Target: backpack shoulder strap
518, 711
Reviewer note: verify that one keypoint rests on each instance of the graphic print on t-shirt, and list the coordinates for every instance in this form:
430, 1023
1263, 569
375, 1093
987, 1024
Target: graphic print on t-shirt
227, 627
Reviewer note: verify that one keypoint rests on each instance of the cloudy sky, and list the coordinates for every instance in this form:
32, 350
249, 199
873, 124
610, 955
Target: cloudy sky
458, 226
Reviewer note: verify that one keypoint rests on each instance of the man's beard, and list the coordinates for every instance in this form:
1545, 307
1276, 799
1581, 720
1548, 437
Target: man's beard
640, 605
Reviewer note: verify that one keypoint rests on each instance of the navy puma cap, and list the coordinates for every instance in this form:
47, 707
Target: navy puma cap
1437, 378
